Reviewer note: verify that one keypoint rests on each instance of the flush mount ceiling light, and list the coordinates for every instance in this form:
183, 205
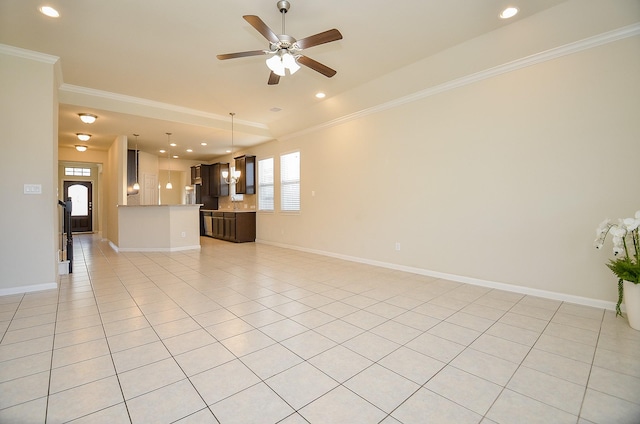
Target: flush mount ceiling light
321, 95
81, 148
509, 12
87, 118
83, 137
49, 11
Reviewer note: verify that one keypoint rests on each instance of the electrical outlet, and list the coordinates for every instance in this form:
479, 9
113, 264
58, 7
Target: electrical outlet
184, 234
397, 245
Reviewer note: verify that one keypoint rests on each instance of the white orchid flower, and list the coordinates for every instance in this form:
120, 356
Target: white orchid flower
618, 231
631, 223
604, 226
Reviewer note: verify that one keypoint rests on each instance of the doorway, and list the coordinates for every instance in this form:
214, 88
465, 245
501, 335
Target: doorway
80, 193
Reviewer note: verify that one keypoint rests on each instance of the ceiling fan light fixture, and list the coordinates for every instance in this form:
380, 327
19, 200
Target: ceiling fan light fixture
290, 63
275, 64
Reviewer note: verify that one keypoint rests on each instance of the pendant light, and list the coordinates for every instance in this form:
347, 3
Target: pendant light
169, 186
136, 186
235, 175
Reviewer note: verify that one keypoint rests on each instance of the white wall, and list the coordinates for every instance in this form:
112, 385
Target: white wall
503, 180
29, 122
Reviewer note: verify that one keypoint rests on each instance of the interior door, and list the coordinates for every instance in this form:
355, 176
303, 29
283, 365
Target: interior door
80, 193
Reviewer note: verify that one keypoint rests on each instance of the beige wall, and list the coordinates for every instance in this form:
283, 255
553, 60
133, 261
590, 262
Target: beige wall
501, 181
29, 122
115, 187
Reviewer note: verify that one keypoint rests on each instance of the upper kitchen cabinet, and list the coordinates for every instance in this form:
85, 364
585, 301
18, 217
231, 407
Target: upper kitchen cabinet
217, 185
132, 169
196, 175
246, 164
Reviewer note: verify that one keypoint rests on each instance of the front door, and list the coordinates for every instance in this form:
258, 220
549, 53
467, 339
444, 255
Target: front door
81, 205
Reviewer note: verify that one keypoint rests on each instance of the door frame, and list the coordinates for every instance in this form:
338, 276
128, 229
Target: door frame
89, 184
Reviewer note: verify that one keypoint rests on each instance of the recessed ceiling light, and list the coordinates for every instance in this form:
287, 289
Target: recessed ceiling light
203, 144
189, 150
163, 151
175, 156
49, 11
509, 12
320, 95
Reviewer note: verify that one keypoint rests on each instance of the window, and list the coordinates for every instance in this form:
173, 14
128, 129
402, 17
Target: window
78, 172
290, 182
265, 184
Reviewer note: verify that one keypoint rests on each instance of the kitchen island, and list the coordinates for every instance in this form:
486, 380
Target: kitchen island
158, 228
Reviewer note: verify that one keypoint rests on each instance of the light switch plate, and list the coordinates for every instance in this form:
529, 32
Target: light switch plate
33, 189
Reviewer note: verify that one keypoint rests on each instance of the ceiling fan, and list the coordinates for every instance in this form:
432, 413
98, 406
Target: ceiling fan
286, 51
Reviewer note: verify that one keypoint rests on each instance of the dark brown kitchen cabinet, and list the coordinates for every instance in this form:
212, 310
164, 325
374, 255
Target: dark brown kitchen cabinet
238, 227
196, 176
205, 180
218, 225
132, 168
218, 186
246, 164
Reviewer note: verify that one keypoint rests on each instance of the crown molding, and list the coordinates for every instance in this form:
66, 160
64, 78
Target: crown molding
544, 56
28, 54
137, 101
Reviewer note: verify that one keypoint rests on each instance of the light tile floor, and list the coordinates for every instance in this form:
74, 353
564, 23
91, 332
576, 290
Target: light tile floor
251, 333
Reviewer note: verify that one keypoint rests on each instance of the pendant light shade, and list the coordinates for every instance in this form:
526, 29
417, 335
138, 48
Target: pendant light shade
234, 176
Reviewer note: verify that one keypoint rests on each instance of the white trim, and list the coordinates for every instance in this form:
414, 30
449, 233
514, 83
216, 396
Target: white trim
596, 303
76, 89
156, 249
28, 54
534, 59
28, 289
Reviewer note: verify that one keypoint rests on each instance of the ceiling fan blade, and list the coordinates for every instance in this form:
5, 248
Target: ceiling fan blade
261, 27
273, 78
316, 66
240, 54
320, 38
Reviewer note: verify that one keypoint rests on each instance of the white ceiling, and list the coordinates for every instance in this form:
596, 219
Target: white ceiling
162, 53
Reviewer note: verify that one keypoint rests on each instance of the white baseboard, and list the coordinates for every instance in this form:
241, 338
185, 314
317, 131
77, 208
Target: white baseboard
155, 249
28, 289
596, 303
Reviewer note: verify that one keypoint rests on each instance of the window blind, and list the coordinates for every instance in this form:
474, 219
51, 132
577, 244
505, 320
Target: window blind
290, 181
265, 184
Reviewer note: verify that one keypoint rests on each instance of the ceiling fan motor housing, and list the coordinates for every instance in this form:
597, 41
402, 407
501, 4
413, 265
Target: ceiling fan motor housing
283, 6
